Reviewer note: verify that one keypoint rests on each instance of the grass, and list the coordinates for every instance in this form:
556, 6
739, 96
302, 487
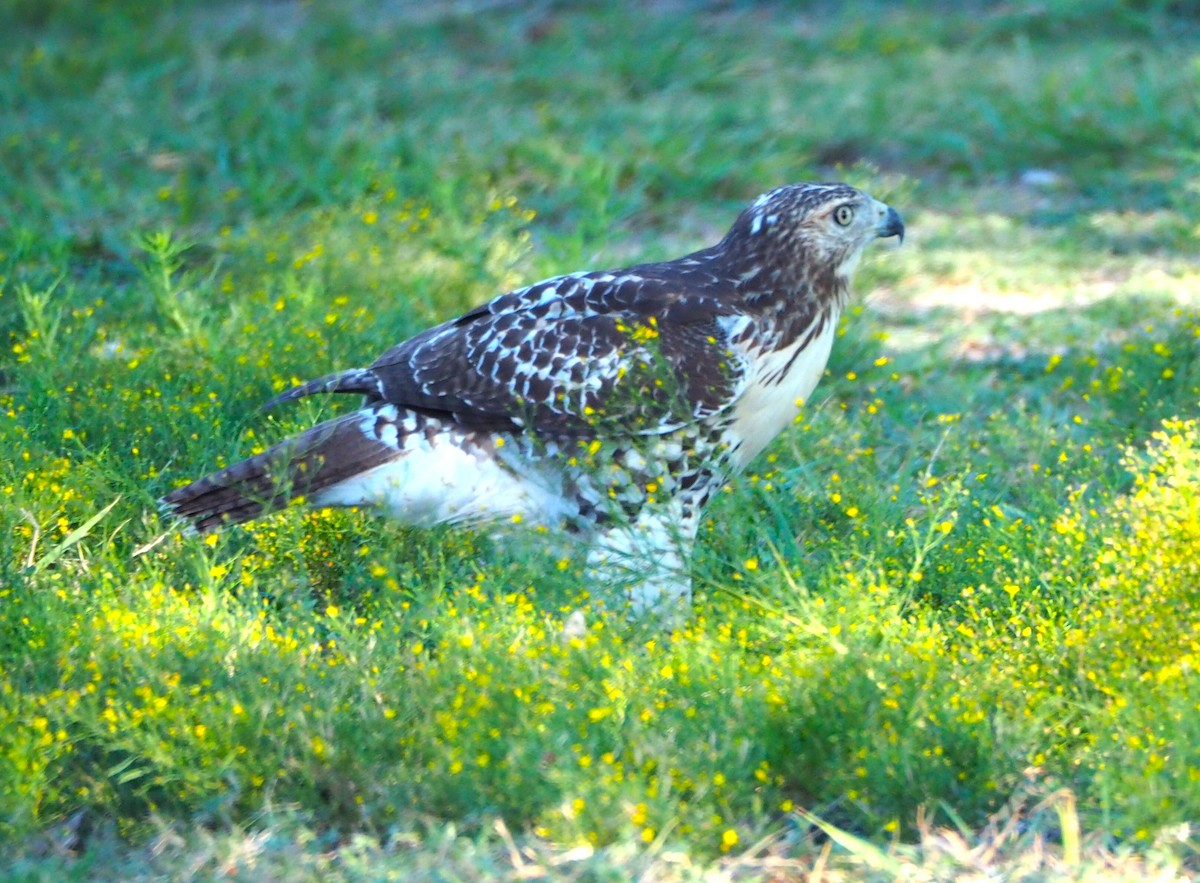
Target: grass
945, 626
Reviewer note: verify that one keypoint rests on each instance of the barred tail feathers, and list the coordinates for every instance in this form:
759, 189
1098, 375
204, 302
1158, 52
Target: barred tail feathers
301, 466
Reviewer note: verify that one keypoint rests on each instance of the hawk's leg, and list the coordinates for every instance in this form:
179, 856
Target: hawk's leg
648, 560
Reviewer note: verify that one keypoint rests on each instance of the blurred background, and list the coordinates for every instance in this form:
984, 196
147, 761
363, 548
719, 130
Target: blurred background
633, 129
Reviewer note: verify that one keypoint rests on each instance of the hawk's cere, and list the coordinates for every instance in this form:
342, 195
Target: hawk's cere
612, 404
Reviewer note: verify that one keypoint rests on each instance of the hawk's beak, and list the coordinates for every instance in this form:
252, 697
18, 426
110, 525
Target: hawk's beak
890, 225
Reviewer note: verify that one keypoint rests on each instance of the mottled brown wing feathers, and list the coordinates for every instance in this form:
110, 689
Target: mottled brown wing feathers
643, 349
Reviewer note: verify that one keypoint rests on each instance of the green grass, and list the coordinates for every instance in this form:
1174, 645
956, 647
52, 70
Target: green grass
947, 622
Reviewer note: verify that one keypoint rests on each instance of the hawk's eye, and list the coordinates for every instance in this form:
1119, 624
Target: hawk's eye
843, 214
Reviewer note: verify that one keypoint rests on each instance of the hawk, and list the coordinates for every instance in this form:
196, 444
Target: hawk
610, 404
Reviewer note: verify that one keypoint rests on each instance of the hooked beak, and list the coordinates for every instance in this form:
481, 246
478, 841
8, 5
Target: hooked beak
890, 225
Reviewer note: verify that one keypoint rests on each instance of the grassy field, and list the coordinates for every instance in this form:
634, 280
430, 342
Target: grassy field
948, 625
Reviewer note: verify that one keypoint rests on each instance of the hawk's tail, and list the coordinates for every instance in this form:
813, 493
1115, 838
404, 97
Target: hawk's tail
306, 464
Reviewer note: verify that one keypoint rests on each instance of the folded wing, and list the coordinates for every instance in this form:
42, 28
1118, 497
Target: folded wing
641, 351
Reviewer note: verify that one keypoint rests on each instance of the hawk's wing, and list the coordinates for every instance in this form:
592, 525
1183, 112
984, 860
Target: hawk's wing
641, 351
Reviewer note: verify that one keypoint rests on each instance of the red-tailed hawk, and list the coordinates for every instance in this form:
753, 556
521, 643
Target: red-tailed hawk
611, 404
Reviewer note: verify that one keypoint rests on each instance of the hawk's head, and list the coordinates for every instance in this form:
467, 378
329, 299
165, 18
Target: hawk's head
807, 236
